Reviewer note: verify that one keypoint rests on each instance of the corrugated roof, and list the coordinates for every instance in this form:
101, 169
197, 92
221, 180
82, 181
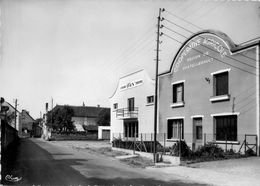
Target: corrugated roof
84, 111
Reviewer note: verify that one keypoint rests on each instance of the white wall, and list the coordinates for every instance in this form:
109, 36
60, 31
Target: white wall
100, 129
140, 93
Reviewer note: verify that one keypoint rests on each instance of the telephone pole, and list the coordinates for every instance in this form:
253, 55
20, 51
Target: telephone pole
156, 84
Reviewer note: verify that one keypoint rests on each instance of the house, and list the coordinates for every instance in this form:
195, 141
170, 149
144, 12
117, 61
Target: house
85, 117
26, 123
37, 127
211, 92
132, 106
10, 115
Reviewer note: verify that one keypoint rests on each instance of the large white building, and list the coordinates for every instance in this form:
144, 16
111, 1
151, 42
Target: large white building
132, 106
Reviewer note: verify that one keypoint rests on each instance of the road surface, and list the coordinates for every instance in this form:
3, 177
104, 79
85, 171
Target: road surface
42, 163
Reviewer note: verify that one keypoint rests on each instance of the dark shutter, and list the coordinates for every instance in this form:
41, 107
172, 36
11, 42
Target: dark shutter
169, 124
221, 83
226, 128
174, 93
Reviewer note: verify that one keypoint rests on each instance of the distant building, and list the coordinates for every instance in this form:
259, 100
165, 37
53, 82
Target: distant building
85, 116
211, 92
37, 127
132, 106
26, 123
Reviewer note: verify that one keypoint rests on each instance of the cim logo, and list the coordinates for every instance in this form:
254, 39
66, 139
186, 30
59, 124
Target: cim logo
131, 85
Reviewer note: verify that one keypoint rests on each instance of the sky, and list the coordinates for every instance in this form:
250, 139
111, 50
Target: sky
75, 51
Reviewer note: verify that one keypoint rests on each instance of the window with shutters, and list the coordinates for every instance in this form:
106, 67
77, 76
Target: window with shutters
220, 86
178, 94
175, 129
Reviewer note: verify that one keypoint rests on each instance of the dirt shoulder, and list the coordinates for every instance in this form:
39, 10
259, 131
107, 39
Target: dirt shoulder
241, 172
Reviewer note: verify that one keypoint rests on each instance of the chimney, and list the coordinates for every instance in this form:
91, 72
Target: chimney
98, 106
46, 107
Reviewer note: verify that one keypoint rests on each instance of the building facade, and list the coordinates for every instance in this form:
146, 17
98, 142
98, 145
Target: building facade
211, 92
25, 123
84, 116
132, 106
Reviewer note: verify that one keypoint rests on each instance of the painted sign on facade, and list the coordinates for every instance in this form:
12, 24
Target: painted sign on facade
199, 52
131, 84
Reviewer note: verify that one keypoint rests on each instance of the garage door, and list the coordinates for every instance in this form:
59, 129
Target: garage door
105, 134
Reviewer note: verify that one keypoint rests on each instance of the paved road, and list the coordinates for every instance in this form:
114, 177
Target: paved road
42, 163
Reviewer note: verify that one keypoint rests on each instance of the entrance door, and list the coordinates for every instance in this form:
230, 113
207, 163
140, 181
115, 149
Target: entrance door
131, 128
197, 132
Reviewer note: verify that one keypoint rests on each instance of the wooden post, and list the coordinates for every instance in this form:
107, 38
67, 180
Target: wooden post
205, 139
164, 143
256, 149
226, 142
180, 141
245, 144
134, 142
151, 142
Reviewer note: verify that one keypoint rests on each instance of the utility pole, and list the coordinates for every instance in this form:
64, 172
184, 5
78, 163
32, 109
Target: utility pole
15, 114
156, 85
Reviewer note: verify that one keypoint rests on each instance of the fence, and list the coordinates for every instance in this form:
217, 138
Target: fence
73, 136
145, 142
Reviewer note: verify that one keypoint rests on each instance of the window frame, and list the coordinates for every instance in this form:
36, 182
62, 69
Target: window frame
218, 96
175, 86
170, 138
226, 129
115, 106
147, 100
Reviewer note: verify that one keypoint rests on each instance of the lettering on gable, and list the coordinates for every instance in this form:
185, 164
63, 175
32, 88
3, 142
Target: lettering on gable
198, 52
131, 85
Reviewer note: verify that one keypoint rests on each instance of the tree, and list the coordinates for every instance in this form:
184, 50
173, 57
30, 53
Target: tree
104, 117
59, 119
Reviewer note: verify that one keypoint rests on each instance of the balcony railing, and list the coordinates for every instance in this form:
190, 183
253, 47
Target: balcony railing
125, 113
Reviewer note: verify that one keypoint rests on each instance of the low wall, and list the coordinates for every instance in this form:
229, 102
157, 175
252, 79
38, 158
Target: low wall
166, 158
75, 136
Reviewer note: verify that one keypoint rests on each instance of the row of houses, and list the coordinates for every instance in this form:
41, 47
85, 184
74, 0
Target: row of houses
209, 94
22, 121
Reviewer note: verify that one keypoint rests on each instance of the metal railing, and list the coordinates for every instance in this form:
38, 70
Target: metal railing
241, 144
127, 113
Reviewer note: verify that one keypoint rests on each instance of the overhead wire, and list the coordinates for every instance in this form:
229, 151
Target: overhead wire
198, 28
210, 48
131, 49
210, 56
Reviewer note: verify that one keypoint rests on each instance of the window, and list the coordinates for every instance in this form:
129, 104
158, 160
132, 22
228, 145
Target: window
226, 128
131, 104
178, 92
175, 129
131, 128
221, 84
199, 132
150, 99
115, 105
